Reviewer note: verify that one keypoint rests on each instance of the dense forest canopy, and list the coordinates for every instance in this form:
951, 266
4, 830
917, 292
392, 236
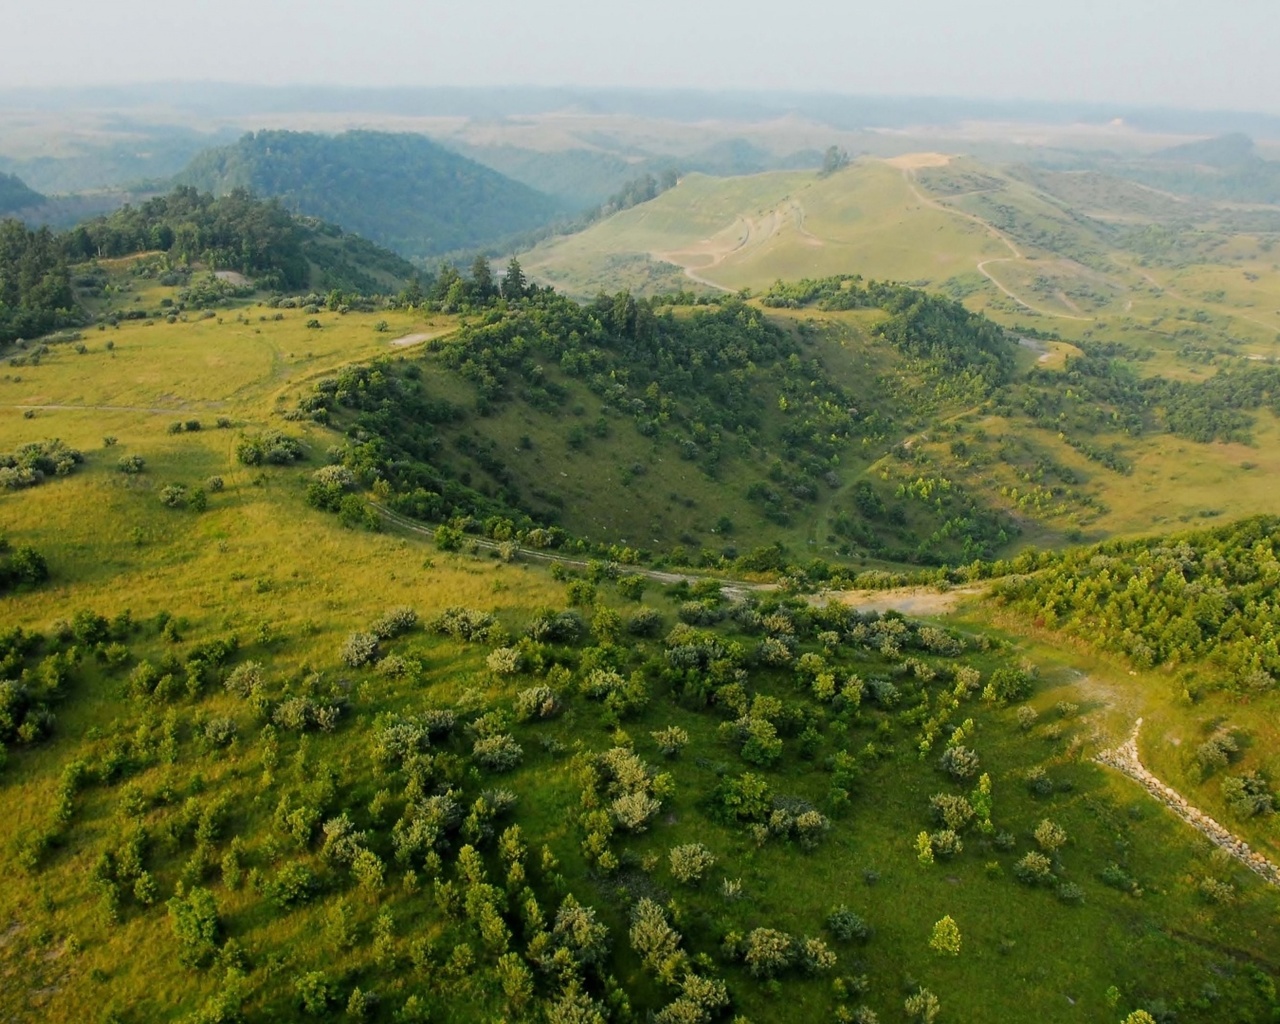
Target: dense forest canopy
1205, 597
400, 190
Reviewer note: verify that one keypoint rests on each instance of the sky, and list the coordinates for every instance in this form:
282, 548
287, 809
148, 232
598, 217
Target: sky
1203, 54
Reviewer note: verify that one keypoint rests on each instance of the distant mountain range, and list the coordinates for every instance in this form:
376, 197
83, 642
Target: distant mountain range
402, 191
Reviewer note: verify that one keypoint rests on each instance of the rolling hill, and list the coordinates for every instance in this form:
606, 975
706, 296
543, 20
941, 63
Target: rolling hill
402, 191
261, 762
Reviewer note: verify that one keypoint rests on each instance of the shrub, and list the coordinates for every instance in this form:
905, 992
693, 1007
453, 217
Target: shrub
1033, 869
505, 661
131, 464
813, 956
633, 811
219, 732
271, 447
301, 714
846, 926
657, 943
394, 623
670, 740
465, 624
1248, 795
768, 952
690, 862
953, 812
945, 843
1216, 752
1069, 892
359, 649
922, 1008
245, 679
499, 753
959, 762
315, 993
214, 484
294, 884
1050, 836
537, 702
946, 937
173, 496
644, 622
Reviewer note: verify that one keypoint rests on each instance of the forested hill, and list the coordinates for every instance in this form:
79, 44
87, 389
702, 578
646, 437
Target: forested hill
402, 191
236, 232
15, 195
1206, 598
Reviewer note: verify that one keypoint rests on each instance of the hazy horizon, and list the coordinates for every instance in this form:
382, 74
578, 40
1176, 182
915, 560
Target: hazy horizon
1178, 53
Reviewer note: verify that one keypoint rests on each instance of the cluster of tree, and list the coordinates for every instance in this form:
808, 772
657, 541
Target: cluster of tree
21, 566
33, 463
402, 191
937, 330
35, 283
1199, 598
1119, 400
236, 232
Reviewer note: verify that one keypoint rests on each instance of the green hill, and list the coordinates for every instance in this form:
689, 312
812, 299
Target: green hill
16, 196
260, 762
402, 191
237, 234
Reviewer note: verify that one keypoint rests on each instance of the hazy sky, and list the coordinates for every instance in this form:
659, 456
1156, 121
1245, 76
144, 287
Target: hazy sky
1187, 53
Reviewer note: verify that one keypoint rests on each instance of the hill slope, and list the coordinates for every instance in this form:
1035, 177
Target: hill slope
402, 191
15, 195
222, 805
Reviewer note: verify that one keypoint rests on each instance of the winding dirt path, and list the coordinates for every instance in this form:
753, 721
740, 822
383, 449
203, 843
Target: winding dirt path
1126, 760
907, 600
1017, 255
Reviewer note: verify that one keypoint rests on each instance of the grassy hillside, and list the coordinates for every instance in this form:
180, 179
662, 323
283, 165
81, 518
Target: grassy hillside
1072, 253
616, 796
749, 231
402, 191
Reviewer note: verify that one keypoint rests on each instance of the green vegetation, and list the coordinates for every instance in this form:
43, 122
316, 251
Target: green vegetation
1204, 599
344, 671
15, 196
404, 192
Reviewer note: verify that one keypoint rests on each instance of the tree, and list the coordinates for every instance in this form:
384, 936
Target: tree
482, 285
946, 937
833, 159
514, 285
1139, 1017
194, 916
